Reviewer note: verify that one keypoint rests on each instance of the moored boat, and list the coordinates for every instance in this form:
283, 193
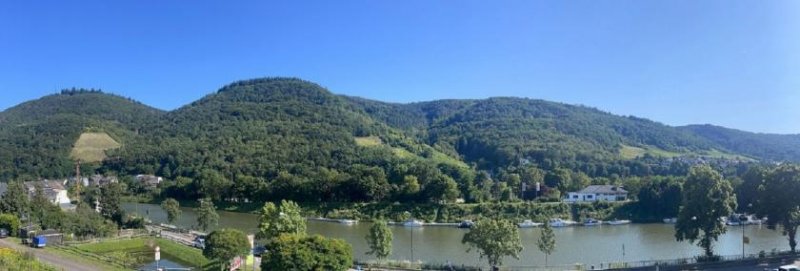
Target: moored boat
618, 222
413, 223
558, 222
592, 222
466, 224
348, 221
529, 224
670, 220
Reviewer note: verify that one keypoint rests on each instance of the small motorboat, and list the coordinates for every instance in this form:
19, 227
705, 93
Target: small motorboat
413, 223
618, 222
348, 221
466, 224
529, 224
592, 222
671, 220
558, 222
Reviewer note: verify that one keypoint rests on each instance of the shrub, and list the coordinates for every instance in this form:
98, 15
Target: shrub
11, 223
300, 253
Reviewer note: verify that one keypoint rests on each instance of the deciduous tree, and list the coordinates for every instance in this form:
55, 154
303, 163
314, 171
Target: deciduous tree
494, 239
225, 244
277, 220
778, 200
379, 239
173, 209
547, 241
207, 216
706, 199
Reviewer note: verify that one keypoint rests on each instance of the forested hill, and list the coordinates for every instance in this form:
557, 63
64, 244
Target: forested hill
289, 138
773, 147
36, 136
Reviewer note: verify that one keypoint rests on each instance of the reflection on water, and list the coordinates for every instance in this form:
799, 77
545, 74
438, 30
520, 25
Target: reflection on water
588, 245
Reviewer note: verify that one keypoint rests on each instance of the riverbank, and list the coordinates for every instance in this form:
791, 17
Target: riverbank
442, 213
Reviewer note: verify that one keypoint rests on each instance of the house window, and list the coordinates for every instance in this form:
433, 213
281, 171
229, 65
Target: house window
589, 196
575, 196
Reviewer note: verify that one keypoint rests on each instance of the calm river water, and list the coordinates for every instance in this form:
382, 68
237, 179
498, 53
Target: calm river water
587, 245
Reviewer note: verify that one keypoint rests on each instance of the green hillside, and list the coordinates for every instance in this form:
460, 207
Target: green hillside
37, 137
275, 138
772, 147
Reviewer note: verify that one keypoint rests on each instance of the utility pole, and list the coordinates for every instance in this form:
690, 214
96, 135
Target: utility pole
78, 180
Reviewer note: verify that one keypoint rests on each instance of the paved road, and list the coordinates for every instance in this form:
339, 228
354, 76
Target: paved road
49, 258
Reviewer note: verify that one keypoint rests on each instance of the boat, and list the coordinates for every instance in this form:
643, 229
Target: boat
413, 223
347, 221
671, 220
466, 224
592, 222
558, 222
618, 222
529, 224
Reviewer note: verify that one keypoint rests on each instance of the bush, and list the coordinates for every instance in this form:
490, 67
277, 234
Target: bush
11, 223
300, 253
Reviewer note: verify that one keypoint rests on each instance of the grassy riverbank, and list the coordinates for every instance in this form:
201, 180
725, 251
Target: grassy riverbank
129, 254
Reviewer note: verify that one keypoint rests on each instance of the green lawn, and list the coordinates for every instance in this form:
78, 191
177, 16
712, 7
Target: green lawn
169, 250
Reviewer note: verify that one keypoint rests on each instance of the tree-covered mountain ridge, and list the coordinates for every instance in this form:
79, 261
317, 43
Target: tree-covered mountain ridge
286, 136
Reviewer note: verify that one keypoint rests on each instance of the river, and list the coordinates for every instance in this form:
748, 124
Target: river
587, 245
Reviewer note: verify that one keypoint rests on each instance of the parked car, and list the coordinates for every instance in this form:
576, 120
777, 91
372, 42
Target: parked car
199, 242
3, 233
259, 250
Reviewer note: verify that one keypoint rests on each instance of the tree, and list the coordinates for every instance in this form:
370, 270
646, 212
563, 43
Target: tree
10, 223
293, 252
207, 216
778, 200
706, 199
547, 241
494, 239
225, 244
275, 221
15, 199
379, 239
110, 206
172, 208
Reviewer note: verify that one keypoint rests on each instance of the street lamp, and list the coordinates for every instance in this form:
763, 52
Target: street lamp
741, 221
158, 256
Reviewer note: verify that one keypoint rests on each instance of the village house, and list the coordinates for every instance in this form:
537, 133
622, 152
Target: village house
598, 193
150, 181
53, 190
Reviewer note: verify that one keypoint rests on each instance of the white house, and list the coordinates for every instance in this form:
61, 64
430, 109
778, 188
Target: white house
598, 193
53, 190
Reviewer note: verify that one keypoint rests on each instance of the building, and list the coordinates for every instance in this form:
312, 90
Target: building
53, 190
149, 180
598, 193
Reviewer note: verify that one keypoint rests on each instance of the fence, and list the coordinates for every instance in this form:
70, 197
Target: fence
664, 265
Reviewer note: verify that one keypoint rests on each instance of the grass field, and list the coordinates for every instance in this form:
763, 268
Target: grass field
170, 250
631, 152
92, 147
369, 141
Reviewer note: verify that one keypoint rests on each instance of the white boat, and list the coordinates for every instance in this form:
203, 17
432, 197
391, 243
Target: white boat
348, 221
618, 222
558, 222
592, 222
671, 220
529, 224
413, 223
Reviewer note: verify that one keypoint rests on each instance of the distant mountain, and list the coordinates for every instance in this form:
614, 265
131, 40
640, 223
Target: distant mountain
285, 137
772, 147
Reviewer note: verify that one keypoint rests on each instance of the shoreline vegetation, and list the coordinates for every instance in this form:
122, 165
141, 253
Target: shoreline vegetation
448, 212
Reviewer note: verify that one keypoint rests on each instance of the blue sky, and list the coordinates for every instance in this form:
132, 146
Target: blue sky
731, 63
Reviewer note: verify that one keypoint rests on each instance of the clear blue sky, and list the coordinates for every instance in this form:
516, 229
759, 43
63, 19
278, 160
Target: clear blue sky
731, 63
